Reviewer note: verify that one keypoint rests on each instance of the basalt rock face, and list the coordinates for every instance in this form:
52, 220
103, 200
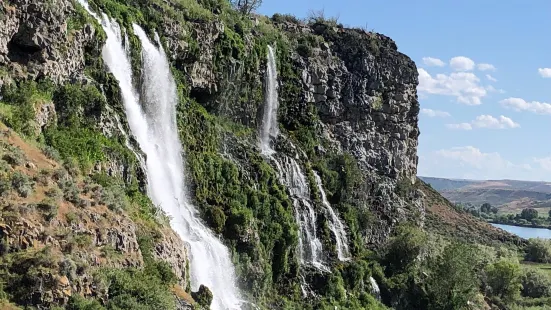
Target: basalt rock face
36, 41
364, 92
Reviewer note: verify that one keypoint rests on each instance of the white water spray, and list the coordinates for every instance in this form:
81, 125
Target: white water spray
270, 129
335, 224
156, 132
310, 247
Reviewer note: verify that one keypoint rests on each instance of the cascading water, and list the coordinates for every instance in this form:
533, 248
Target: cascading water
270, 127
290, 173
335, 224
156, 132
310, 245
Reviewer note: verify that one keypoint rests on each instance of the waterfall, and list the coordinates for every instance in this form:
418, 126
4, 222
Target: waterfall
270, 127
335, 224
375, 290
291, 174
154, 127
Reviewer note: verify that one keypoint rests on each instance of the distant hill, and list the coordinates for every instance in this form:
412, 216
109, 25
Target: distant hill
508, 195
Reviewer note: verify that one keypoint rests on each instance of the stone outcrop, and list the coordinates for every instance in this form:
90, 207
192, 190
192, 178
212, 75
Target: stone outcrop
35, 40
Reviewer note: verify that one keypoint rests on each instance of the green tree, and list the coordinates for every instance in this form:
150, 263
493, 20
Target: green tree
452, 280
503, 279
529, 214
538, 250
486, 208
246, 6
403, 249
535, 283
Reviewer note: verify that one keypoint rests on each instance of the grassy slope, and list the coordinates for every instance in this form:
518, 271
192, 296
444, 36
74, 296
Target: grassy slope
442, 218
44, 229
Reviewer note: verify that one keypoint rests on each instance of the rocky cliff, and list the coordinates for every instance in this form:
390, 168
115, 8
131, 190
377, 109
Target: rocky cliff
348, 112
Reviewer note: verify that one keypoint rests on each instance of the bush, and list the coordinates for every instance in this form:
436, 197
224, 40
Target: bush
22, 184
535, 283
503, 279
203, 296
55, 193
452, 279
538, 250
49, 209
137, 289
403, 249
78, 302
51, 153
114, 198
70, 190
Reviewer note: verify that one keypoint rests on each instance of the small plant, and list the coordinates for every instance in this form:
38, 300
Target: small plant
13, 155
84, 203
72, 167
68, 268
71, 217
51, 153
49, 209
43, 177
114, 198
70, 191
55, 193
22, 184
377, 103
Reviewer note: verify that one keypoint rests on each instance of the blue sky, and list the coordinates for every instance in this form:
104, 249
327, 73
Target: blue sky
485, 75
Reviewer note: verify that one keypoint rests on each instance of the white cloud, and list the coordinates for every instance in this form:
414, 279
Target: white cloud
460, 126
486, 67
433, 62
491, 78
486, 121
434, 113
545, 72
462, 63
519, 104
471, 162
544, 163
471, 156
462, 85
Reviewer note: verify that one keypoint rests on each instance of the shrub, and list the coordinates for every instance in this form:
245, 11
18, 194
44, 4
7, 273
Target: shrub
55, 193
51, 153
452, 279
538, 250
217, 219
13, 155
70, 190
137, 289
403, 249
68, 268
203, 296
78, 302
114, 198
43, 177
535, 283
49, 209
22, 184
503, 279
71, 217
280, 18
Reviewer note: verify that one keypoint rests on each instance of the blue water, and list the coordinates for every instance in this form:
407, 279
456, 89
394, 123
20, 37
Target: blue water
526, 232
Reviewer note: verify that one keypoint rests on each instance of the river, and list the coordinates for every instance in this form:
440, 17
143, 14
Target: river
526, 232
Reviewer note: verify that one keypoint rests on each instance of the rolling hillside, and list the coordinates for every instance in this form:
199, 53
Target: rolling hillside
509, 195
